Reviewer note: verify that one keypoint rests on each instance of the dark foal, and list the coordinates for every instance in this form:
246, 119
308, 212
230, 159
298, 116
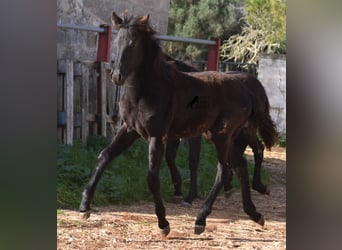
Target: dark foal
248, 137
154, 105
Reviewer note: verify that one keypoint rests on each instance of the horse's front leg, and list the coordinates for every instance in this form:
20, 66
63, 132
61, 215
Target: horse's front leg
170, 156
156, 150
205, 210
122, 141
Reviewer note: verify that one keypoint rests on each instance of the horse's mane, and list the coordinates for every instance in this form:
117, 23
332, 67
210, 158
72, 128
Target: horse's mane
182, 66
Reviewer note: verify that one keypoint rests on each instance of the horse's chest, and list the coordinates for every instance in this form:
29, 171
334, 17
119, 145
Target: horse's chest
138, 117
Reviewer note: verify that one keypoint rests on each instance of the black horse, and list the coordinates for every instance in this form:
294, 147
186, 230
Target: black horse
154, 106
248, 137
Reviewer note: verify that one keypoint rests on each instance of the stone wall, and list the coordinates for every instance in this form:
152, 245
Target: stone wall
82, 45
272, 74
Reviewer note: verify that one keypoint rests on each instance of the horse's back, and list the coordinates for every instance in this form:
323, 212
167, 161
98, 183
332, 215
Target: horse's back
234, 84
224, 79
230, 87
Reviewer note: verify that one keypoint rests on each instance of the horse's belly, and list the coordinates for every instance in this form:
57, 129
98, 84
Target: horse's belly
190, 129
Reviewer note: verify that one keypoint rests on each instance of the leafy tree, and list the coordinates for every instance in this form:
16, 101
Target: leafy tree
264, 31
201, 19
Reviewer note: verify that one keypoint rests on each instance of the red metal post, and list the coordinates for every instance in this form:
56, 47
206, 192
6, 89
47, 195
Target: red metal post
103, 46
103, 55
214, 55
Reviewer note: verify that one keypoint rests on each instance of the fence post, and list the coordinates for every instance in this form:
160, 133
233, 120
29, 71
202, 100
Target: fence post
103, 116
214, 55
85, 102
103, 55
69, 102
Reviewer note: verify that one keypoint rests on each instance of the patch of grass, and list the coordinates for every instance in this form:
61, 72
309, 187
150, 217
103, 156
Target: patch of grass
282, 141
124, 180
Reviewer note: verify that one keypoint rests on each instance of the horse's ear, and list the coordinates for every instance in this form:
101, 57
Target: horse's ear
116, 20
143, 20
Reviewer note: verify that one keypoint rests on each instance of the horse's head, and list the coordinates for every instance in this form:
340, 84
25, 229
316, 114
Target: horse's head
129, 45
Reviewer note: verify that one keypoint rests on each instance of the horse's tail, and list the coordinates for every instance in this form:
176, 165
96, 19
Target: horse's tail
267, 129
266, 126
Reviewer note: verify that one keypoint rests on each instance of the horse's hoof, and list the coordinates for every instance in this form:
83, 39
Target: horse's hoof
186, 204
85, 215
228, 193
177, 199
262, 190
199, 229
164, 232
261, 221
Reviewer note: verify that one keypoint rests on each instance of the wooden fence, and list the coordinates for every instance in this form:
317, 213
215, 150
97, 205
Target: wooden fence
78, 108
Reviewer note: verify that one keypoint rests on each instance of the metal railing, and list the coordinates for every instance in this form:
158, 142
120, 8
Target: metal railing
160, 37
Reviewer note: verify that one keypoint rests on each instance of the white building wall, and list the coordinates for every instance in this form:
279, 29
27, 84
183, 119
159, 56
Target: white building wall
272, 74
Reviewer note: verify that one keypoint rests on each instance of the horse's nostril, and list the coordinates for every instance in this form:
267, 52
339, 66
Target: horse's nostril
116, 78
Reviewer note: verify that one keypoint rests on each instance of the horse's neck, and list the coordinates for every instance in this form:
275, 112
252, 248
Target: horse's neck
137, 86
148, 79
149, 75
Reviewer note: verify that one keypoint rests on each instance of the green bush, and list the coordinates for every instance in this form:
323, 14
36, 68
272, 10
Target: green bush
124, 180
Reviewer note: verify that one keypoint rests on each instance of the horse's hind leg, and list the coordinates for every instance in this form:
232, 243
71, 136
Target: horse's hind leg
227, 183
194, 155
121, 142
240, 147
156, 149
170, 156
258, 152
205, 210
239, 164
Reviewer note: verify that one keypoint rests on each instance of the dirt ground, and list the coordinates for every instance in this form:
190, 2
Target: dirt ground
228, 227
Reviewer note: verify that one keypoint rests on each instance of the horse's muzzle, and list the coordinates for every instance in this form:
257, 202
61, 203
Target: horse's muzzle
116, 78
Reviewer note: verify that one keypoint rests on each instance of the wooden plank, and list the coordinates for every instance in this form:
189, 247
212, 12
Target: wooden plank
111, 98
117, 99
85, 102
92, 94
60, 104
103, 101
78, 68
77, 94
77, 104
60, 92
61, 66
92, 117
69, 76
